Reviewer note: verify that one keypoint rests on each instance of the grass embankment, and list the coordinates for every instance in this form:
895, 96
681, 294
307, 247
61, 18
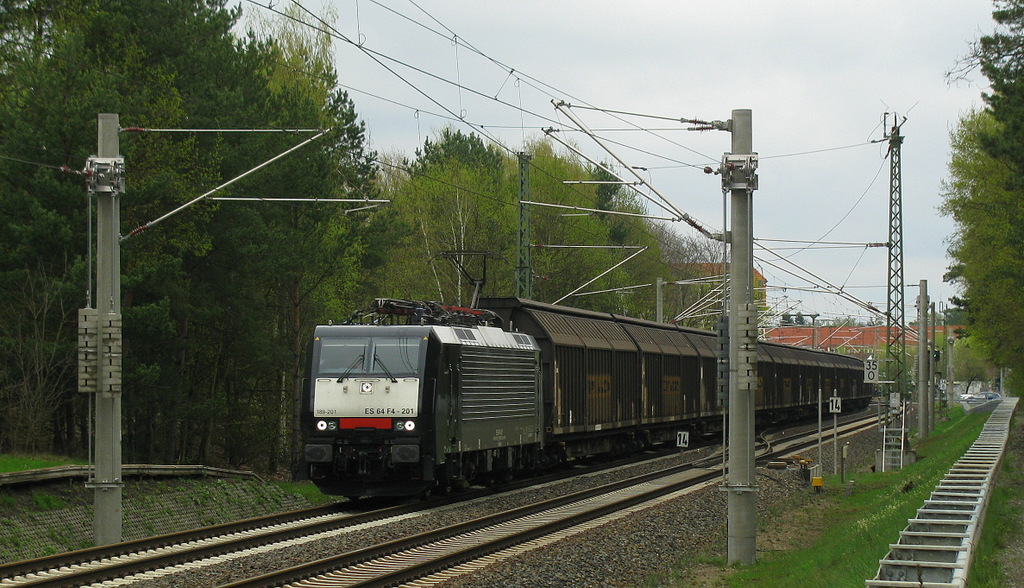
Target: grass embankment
20, 462
38, 520
837, 538
306, 490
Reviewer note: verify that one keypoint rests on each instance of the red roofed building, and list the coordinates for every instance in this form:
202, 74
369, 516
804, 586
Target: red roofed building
845, 339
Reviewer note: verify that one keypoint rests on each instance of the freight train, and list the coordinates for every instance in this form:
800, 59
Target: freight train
445, 397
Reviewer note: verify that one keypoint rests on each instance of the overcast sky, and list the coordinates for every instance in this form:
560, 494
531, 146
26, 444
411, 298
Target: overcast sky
818, 77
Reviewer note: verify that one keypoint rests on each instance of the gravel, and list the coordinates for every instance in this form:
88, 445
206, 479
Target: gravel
638, 549
643, 546
621, 553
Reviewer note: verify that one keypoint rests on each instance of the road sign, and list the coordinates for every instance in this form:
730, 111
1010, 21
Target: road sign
835, 404
871, 370
682, 438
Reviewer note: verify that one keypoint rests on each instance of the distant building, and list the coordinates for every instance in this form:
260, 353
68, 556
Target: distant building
846, 338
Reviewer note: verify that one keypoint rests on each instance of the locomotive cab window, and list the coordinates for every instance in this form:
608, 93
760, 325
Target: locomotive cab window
395, 355
362, 356
343, 356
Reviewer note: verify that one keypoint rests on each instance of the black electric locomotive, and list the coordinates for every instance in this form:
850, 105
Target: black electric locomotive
398, 409
401, 409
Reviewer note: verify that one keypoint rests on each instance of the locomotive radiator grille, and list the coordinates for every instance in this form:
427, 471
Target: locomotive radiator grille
498, 383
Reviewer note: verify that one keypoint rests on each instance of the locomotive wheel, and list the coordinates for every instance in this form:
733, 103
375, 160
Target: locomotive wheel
469, 468
444, 484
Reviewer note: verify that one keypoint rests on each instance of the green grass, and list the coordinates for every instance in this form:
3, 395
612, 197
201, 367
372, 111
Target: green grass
19, 462
47, 501
306, 490
858, 528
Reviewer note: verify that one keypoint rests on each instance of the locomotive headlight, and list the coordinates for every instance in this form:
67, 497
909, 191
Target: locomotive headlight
404, 425
321, 425
410, 425
332, 425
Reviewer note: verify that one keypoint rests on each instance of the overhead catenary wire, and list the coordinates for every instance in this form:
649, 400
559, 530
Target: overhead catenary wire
599, 276
457, 39
619, 289
598, 210
460, 40
139, 129
148, 225
379, 58
692, 121
152, 130
453, 37
710, 299
259, 199
816, 151
663, 204
541, 246
491, 138
851, 209
657, 259
835, 290
565, 109
818, 242
61, 168
820, 247
819, 289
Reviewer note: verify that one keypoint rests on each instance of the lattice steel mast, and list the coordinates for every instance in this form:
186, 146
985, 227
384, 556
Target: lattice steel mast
524, 264
895, 323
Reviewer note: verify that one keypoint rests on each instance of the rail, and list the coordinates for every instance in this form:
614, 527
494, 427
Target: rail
411, 558
105, 563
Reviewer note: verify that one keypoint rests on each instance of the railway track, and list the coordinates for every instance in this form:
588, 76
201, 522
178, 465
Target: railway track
415, 557
424, 553
104, 562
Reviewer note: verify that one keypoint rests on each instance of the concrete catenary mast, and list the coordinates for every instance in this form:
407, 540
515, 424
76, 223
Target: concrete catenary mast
100, 334
740, 180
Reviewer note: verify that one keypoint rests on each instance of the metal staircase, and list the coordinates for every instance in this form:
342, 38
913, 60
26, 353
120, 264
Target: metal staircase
893, 444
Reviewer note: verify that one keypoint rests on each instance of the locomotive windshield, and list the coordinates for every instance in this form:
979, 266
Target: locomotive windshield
340, 355
396, 356
363, 356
